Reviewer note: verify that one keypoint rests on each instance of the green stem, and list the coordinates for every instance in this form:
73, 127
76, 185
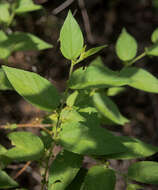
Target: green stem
137, 58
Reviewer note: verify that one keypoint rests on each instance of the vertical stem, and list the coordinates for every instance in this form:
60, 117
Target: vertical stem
56, 127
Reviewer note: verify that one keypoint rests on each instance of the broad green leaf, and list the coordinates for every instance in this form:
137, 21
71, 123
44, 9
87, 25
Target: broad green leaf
72, 98
108, 108
135, 149
153, 50
98, 178
71, 38
3, 51
87, 137
126, 46
26, 6
134, 187
154, 36
27, 146
34, 88
96, 75
144, 172
3, 36
4, 82
90, 52
113, 91
4, 13
6, 181
20, 41
140, 79
78, 180
63, 170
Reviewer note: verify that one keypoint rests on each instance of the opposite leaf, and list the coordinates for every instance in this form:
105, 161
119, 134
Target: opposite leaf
63, 169
96, 75
99, 177
6, 181
126, 46
26, 6
27, 146
71, 38
140, 79
108, 108
34, 88
144, 172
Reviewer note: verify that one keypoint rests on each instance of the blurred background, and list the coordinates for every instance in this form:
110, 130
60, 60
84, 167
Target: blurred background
101, 22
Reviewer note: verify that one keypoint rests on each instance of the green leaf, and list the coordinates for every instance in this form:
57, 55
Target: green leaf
6, 181
63, 170
113, 91
86, 137
78, 180
144, 172
108, 108
4, 161
140, 79
99, 177
4, 82
135, 149
104, 77
154, 36
71, 38
4, 13
20, 41
126, 46
27, 146
134, 187
91, 51
34, 88
26, 6
153, 50
72, 98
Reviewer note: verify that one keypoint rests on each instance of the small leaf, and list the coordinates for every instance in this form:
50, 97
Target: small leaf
20, 41
4, 13
126, 46
134, 187
144, 172
4, 82
99, 177
153, 50
72, 98
6, 181
86, 137
140, 79
135, 149
27, 146
71, 38
154, 36
104, 77
91, 51
108, 108
63, 170
34, 88
26, 6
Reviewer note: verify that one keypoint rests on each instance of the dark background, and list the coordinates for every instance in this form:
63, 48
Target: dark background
106, 19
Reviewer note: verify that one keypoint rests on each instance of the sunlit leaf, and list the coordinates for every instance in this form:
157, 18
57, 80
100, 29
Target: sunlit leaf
34, 88
126, 46
4, 82
27, 146
4, 13
71, 38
